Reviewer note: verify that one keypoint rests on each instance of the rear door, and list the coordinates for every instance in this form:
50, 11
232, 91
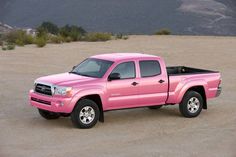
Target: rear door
153, 83
123, 93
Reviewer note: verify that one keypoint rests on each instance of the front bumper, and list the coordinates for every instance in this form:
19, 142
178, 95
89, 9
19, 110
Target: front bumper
218, 92
50, 103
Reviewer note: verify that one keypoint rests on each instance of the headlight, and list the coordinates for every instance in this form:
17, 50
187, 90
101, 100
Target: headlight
65, 91
35, 83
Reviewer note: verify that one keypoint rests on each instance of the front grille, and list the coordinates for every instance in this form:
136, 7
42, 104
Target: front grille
41, 101
43, 89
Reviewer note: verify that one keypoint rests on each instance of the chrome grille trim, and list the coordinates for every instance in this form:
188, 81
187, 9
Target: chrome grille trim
44, 88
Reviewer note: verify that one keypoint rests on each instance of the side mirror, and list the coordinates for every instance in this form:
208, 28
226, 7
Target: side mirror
74, 67
114, 76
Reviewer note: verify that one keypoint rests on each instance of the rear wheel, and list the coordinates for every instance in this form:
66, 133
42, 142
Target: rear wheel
155, 107
191, 104
85, 114
48, 115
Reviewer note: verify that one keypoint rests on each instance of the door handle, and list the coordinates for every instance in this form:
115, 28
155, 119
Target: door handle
161, 81
134, 83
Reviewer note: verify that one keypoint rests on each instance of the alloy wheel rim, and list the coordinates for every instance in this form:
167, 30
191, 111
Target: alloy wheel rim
87, 115
193, 105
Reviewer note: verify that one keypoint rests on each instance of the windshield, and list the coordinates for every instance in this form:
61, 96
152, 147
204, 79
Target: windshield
92, 67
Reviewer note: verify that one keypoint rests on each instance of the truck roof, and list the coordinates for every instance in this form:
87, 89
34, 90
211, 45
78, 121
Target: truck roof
122, 56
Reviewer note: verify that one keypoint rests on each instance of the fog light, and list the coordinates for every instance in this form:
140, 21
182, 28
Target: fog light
59, 104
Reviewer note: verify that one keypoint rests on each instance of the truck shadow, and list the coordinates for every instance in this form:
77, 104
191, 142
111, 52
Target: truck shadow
40, 122
141, 114
114, 117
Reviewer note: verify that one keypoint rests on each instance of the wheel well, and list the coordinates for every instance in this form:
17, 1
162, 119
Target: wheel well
200, 90
97, 99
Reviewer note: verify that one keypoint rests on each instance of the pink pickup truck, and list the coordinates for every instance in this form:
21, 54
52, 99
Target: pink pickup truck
122, 80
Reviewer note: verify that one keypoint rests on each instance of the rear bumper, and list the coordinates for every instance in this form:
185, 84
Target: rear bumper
218, 92
50, 103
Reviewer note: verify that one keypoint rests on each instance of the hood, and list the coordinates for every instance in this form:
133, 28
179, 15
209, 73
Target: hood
65, 79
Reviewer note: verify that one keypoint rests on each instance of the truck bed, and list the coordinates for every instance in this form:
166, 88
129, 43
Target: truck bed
179, 77
182, 70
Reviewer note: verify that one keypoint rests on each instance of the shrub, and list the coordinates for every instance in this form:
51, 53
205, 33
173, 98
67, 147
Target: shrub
10, 37
56, 39
125, 37
29, 39
1, 42
50, 27
64, 31
1, 39
8, 46
18, 37
41, 33
19, 42
67, 39
121, 36
97, 37
74, 32
163, 32
40, 41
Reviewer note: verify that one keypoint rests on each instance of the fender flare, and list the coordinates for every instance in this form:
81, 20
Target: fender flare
190, 84
83, 93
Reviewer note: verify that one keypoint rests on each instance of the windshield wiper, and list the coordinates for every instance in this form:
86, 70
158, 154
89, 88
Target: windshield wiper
84, 74
73, 72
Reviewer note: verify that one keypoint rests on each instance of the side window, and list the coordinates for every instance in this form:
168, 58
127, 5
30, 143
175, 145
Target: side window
126, 70
149, 68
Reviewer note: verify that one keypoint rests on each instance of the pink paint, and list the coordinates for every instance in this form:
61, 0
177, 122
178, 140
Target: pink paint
118, 94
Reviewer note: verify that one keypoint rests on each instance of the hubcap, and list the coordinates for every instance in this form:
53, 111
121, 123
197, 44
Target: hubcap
87, 115
193, 105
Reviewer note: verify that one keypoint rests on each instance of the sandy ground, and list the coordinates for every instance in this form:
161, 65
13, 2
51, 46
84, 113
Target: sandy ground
136, 132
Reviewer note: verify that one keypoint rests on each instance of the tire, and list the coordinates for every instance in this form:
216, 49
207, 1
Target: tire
155, 107
48, 115
86, 114
191, 104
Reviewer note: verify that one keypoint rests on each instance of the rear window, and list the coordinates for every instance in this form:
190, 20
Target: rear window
149, 68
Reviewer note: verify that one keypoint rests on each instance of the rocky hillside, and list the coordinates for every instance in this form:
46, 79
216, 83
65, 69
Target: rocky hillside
198, 17
4, 28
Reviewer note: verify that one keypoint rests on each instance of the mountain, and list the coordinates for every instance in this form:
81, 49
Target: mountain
4, 28
198, 17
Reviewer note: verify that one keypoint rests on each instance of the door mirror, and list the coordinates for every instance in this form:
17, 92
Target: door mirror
74, 67
114, 76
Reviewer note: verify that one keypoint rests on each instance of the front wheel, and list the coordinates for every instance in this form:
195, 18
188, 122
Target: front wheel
191, 104
48, 115
85, 114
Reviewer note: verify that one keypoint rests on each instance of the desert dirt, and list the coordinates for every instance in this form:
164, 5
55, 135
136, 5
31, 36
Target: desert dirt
136, 132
